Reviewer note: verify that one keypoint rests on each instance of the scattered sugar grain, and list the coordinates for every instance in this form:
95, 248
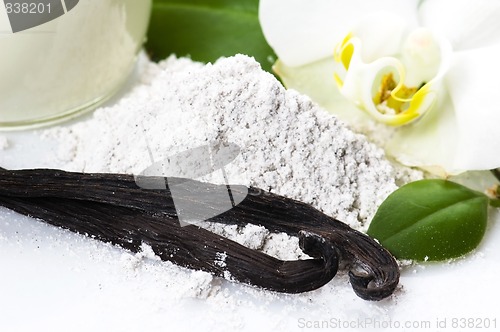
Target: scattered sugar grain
4, 143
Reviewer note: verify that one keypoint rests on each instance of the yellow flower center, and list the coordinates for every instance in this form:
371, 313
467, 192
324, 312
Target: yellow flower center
395, 88
384, 100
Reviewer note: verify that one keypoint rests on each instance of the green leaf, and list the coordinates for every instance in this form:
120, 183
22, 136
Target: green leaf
431, 220
207, 29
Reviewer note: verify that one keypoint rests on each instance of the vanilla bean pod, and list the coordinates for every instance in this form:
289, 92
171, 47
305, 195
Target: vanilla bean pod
189, 246
138, 215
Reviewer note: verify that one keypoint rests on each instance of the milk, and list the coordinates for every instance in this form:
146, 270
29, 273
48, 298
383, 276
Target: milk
70, 63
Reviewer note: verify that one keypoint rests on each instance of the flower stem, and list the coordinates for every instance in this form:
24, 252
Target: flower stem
495, 202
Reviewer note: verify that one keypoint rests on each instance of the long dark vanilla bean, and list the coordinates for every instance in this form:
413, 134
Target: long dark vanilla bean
373, 272
189, 246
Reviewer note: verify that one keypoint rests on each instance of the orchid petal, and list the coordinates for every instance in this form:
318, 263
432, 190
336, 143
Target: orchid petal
316, 81
382, 35
423, 56
305, 31
467, 24
473, 83
430, 143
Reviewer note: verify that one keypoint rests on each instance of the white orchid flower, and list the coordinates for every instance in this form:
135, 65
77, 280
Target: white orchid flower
428, 70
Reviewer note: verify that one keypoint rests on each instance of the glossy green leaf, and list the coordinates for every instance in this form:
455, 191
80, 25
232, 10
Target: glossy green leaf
431, 220
207, 29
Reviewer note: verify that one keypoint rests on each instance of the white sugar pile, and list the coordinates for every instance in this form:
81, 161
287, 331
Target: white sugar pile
288, 145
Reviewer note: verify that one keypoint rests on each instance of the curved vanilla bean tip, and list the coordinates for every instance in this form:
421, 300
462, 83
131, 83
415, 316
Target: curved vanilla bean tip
317, 247
289, 276
373, 286
374, 273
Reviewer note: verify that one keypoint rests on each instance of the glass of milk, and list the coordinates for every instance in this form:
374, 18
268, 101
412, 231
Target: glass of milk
59, 58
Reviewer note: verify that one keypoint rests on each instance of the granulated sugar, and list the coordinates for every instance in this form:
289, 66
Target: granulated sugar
289, 146
4, 143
